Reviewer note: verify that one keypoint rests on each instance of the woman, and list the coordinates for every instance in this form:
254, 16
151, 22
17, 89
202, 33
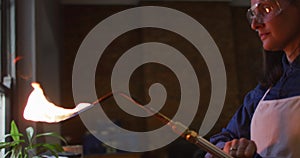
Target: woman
267, 124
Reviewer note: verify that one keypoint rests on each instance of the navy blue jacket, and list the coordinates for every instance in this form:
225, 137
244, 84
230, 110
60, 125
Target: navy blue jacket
239, 125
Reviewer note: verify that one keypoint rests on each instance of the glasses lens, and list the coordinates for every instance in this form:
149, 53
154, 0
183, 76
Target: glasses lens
254, 15
250, 15
263, 11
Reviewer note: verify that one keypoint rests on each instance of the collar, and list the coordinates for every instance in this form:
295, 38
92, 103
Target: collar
286, 64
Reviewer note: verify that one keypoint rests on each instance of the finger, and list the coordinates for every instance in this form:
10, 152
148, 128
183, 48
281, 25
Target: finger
243, 144
227, 147
250, 149
234, 147
234, 144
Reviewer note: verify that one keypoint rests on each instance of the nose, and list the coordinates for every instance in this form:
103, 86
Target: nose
255, 24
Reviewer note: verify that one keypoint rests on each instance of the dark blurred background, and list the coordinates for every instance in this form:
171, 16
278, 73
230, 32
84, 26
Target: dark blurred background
57, 28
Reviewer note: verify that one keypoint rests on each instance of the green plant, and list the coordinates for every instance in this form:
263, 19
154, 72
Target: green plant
18, 147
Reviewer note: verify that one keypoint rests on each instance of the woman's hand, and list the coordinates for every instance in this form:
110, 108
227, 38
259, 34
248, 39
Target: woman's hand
240, 148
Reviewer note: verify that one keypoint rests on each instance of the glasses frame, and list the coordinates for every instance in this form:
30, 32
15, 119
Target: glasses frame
260, 18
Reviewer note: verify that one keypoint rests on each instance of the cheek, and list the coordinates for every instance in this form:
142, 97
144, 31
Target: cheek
280, 36
276, 39
289, 30
290, 34
285, 30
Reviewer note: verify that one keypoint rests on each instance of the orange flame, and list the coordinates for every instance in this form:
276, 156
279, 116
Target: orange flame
39, 109
18, 58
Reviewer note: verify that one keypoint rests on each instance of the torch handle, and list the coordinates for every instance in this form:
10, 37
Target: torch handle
199, 141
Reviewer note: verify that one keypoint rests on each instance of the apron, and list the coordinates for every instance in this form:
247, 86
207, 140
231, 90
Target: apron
275, 128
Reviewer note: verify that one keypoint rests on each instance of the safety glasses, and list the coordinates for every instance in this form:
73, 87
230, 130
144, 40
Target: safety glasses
264, 11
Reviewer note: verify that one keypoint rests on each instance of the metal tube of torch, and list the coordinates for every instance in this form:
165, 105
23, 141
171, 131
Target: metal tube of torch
106, 96
189, 135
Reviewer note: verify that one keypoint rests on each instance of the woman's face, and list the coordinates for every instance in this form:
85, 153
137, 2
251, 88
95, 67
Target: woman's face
281, 32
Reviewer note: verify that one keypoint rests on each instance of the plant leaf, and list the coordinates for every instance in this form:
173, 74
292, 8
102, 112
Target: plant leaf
14, 132
43, 147
13, 135
16, 151
5, 144
51, 134
53, 148
7, 153
5, 136
10, 144
29, 132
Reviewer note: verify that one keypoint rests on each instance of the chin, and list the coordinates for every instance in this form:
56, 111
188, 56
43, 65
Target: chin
270, 47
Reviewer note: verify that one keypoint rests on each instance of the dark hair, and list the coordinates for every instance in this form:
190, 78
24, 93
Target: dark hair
272, 68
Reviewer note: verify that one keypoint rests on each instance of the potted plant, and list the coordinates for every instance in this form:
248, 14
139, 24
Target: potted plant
20, 147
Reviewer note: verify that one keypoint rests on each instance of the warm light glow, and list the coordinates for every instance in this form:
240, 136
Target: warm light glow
39, 109
18, 58
187, 137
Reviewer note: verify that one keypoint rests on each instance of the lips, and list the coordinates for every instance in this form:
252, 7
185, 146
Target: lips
263, 36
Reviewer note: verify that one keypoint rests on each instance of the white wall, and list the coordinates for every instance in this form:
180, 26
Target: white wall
2, 120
